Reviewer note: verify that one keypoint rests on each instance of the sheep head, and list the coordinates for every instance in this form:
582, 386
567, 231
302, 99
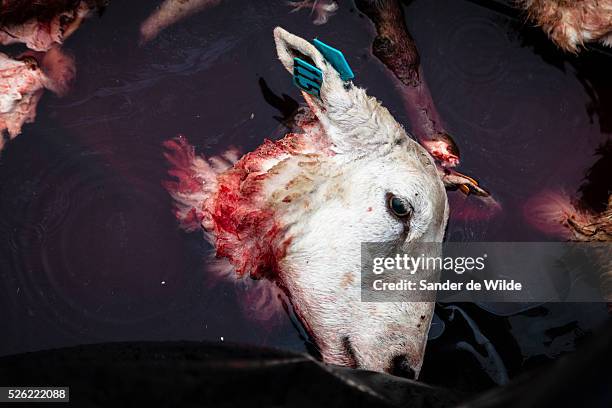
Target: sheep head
295, 211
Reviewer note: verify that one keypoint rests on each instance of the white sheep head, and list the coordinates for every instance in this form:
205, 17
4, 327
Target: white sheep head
295, 211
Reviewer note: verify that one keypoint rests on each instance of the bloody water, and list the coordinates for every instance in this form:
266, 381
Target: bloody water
91, 251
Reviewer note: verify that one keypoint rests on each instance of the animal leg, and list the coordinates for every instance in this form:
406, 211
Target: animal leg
454, 180
299, 5
170, 12
395, 48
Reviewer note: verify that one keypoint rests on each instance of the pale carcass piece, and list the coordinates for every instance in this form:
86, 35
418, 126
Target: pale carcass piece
584, 219
22, 82
571, 24
556, 214
21, 86
321, 10
587, 218
170, 12
294, 212
41, 32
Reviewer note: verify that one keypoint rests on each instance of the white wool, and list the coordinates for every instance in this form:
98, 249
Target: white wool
607, 40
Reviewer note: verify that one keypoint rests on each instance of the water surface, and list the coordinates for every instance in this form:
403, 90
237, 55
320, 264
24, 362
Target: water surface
91, 251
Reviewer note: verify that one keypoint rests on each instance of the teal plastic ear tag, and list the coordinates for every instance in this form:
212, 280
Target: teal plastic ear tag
307, 77
336, 58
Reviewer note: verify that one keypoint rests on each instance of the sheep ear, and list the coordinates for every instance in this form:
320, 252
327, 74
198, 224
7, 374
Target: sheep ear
352, 121
310, 70
289, 46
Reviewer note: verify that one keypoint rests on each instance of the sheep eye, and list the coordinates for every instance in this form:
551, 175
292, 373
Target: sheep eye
399, 206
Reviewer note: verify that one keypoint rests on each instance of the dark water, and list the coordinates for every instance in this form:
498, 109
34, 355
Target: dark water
91, 252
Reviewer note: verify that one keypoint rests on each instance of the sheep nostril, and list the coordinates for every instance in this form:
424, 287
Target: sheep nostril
400, 366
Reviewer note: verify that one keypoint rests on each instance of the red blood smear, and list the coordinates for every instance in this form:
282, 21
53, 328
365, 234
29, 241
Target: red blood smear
245, 229
440, 151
